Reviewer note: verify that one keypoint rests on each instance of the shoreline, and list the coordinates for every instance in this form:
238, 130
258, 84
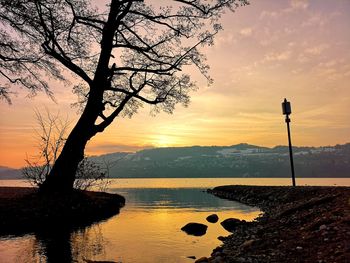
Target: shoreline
26, 210
298, 224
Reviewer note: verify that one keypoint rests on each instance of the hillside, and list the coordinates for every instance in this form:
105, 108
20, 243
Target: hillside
242, 160
9, 173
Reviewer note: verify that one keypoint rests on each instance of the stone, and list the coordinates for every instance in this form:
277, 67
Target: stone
221, 238
202, 260
240, 260
213, 218
323, 227
217, 259
195, 229
218, 249
231, 223
217, 254
247, 244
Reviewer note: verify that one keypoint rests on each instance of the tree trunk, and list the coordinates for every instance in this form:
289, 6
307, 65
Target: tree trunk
62, 175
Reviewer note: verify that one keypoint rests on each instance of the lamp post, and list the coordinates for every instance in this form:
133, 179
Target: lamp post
286, 109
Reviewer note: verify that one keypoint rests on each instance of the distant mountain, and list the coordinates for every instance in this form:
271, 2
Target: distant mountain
241, 160
9, 173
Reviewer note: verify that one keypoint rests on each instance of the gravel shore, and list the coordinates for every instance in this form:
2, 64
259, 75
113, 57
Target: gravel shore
299, 224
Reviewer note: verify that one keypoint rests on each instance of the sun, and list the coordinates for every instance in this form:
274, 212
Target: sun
164, 141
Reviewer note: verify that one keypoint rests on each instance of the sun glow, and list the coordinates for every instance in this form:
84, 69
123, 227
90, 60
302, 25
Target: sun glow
285, 51
164, 141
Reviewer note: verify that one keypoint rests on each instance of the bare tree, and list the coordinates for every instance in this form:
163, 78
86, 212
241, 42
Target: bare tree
51, 134
124, 56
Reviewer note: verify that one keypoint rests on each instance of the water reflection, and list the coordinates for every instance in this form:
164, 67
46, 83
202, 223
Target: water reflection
88, 243
148, 229
54, 245
195, 199
57, 245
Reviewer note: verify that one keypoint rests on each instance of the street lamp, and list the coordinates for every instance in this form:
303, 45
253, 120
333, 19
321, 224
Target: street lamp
286, 109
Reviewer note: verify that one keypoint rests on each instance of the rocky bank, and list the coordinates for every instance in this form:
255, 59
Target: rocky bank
299, 224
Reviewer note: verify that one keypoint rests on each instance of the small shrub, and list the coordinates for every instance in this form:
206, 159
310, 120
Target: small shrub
91, 175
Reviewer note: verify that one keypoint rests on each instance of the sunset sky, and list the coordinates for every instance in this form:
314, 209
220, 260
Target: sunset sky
267, 51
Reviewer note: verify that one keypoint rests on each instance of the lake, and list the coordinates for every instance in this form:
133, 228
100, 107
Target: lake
148, 227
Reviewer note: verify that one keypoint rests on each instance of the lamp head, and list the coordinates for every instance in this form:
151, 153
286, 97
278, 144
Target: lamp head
286, 107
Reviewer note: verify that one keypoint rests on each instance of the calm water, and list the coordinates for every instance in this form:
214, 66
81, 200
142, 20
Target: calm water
148, 227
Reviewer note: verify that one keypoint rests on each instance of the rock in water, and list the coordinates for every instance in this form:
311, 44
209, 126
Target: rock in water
195, 229
212, 218
230, 223
202, 260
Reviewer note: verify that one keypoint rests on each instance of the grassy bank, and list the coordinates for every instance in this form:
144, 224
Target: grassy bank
25, 209
300, 224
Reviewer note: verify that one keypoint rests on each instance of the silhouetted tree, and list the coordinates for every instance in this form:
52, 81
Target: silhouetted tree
51, 134
124, 56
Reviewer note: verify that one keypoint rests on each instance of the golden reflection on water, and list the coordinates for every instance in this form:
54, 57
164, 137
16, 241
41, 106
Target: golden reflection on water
135, 235
155, 236
146, 230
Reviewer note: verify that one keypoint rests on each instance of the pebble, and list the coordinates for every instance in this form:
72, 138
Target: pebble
247, 244
217, 254
323, 227
299, 248
217, 260
226, 251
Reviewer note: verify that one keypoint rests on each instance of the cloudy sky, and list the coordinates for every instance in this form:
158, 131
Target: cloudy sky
267, 51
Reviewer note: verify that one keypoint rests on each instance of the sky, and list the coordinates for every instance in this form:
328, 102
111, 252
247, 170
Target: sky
268, 51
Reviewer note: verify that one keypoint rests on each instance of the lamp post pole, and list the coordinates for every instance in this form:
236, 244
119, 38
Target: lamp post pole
286, 108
